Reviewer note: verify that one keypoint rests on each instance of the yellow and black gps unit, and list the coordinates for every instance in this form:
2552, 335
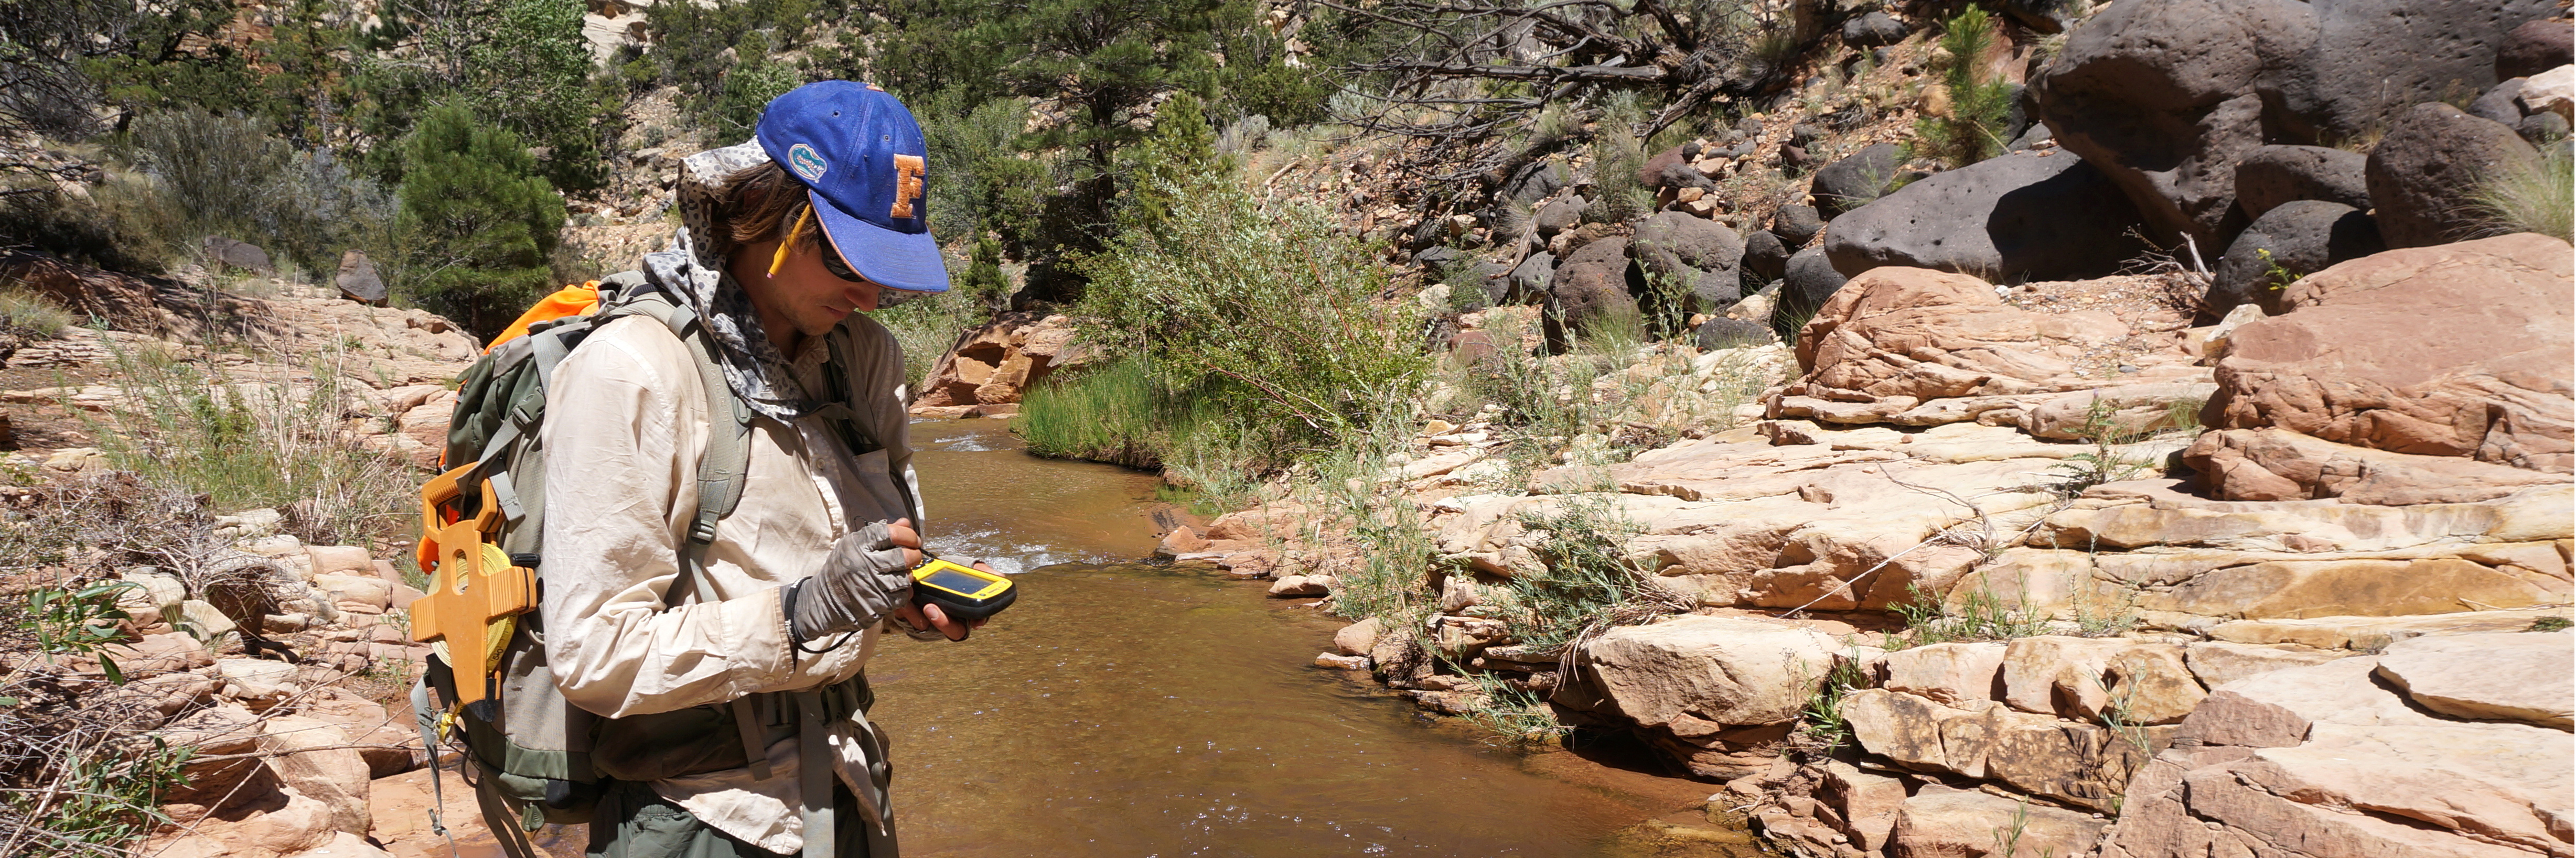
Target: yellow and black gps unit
961, 592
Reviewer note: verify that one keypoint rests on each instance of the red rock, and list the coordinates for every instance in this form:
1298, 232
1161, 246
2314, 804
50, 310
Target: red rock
2458, 350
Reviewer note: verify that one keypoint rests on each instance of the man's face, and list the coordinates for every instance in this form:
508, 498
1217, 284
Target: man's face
811, 295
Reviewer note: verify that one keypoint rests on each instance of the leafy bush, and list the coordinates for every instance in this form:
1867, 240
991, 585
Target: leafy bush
1124, 413
1268, 310
1973, 130
478, 220
1590, 584
2536, 198
28, 314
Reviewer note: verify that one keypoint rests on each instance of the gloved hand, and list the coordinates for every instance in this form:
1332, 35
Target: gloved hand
867, 575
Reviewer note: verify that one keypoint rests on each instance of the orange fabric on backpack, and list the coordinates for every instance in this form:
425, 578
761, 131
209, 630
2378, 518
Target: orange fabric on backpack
579, 300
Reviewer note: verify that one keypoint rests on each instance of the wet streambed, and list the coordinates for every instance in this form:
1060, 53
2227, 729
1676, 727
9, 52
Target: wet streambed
1123, 709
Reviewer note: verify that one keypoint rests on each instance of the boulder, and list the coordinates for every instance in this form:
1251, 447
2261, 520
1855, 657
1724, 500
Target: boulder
2290, 241
1809, 281
2528, 677
221, 252
2273, 175
1559, 215
1357, 638
2552, 91
2424, 175
1872, 30
1940, 822
2351, 362
2536, 46
1866, 803
1765, 257
997, 363
2361, 71
1529, 280
1720, 693
358, 280
1533, 182
2501, 103
1594, 282
1675, 250
2542, 128
1950, 673
2046, 16
1858, 178
312, 757
1795, 225
1724, 333
1894, 340
2161, 97
2039, 215
1670, 169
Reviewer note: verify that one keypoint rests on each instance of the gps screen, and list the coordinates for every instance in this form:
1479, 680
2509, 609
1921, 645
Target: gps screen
958, 581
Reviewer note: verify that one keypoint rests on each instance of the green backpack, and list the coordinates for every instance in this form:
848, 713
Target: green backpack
533, 749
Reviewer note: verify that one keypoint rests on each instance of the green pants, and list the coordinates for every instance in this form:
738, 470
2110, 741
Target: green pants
632, 821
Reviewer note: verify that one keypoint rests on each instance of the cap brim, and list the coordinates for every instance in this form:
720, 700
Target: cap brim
910, 262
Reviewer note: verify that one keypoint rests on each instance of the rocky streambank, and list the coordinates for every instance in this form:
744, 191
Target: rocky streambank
2308, 598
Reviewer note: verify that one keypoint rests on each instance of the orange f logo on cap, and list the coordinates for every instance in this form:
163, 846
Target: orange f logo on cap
907, 184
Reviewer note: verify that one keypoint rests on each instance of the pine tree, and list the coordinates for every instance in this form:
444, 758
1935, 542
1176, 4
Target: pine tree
478, 219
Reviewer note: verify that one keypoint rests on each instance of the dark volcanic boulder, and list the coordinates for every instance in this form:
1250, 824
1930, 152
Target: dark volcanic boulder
1796, 225
1491, 282
1810, 280
1529, 279
1593, 282
1765, 258
1691, 252
2536, 46
1873, 30
2375, 59
1533, 182
2166, 96
2024, 214
2293, 240
1856, 179
1671, 169
2278, 174
2542, 128
1559, 215
1725, 333
221, 252
2160, 95
2424, 174
2046, 16
2498, 103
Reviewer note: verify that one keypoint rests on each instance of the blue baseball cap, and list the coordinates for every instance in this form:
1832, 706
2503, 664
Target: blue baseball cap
865, 165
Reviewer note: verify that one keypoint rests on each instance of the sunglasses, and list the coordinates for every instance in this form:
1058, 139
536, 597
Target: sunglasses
832, 263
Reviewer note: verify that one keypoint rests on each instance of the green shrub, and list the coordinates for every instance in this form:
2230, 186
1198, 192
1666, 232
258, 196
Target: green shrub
2535, 198
218, 169
1123, 412
1590, 584
478, 221
1974, 129
1269, 311
30, 315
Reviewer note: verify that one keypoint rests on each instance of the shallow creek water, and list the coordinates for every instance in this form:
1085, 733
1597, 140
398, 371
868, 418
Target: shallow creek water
1129, 710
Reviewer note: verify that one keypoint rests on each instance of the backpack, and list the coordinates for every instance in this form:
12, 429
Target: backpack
484, 523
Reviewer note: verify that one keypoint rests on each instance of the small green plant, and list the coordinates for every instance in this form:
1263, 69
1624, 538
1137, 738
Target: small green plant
2275, 276
1822, 720
1589, 584
2008, 838
2551, 624
1513, 715
2120, 714
79, 622
2534, 197
2108, 431
1973, 130
1981, 616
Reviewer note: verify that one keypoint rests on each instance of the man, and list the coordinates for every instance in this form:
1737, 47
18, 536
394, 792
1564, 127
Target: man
767, 629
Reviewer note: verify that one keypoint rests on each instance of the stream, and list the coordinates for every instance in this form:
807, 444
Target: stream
1124, 709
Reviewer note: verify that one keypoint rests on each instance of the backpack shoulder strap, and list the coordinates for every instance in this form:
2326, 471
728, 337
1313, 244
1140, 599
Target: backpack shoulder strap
727, 463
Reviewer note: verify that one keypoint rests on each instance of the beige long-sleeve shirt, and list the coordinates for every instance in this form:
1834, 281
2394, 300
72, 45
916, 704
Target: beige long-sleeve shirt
627, 424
